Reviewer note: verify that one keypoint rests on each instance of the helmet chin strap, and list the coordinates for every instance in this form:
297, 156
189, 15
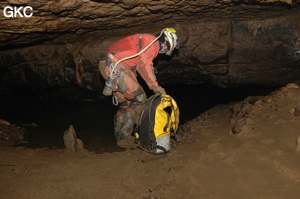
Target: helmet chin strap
161, 48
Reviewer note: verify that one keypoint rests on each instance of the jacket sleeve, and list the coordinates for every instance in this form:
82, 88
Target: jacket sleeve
146, 70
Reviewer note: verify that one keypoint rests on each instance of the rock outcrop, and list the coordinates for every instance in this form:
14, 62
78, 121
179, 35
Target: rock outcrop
223, 43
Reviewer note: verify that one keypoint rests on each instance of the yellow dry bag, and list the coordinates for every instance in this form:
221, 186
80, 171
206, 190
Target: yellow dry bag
158, 123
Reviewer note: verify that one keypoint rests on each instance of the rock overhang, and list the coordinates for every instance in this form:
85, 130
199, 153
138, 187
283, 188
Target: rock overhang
63, 21
224, 43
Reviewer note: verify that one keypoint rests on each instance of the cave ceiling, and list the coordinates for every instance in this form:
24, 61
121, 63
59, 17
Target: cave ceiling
61, 21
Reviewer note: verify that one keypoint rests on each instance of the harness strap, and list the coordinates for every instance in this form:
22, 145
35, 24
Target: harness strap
111, 55
114, 99
133, 69
140, 42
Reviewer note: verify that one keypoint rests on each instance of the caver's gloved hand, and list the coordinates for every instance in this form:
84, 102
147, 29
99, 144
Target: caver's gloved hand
159, 89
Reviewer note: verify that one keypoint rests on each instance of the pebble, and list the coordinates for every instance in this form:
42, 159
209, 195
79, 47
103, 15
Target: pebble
238, 128
297, 111
298, 144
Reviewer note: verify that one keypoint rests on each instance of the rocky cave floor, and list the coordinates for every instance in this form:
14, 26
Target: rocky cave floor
246, 149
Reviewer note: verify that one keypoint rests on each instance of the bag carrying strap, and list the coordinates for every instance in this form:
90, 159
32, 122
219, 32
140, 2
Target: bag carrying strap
140, 42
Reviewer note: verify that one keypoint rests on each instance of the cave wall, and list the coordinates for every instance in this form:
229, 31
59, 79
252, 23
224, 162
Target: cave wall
225, 54
223, 43
62, 21
236, 53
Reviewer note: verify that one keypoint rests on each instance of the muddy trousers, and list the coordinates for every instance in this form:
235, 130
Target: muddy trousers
125, 120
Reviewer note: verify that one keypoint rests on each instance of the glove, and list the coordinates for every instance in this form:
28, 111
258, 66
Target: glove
159, 89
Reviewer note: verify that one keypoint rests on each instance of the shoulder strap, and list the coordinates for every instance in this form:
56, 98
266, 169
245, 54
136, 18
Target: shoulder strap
140, 42
146, 113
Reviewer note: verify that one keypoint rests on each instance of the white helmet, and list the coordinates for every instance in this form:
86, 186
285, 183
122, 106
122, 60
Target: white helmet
170, 39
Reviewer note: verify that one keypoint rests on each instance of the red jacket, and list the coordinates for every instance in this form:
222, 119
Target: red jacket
129, 46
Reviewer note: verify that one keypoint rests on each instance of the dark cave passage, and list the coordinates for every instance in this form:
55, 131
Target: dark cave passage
93, 120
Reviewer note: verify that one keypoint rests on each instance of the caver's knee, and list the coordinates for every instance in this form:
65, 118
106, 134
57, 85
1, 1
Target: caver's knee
130, 109
135, 107
123, 106
136, 102
141, 98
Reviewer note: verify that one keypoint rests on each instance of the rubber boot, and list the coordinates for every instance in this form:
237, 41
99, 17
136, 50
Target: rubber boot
136, 107
125, 123
123, 131
123, 127
131, 118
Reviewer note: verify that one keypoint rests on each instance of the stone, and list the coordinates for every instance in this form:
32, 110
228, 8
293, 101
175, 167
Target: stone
70, 139
79, 146
298, 143
4, 122
297, 111
238, 128
72, 143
